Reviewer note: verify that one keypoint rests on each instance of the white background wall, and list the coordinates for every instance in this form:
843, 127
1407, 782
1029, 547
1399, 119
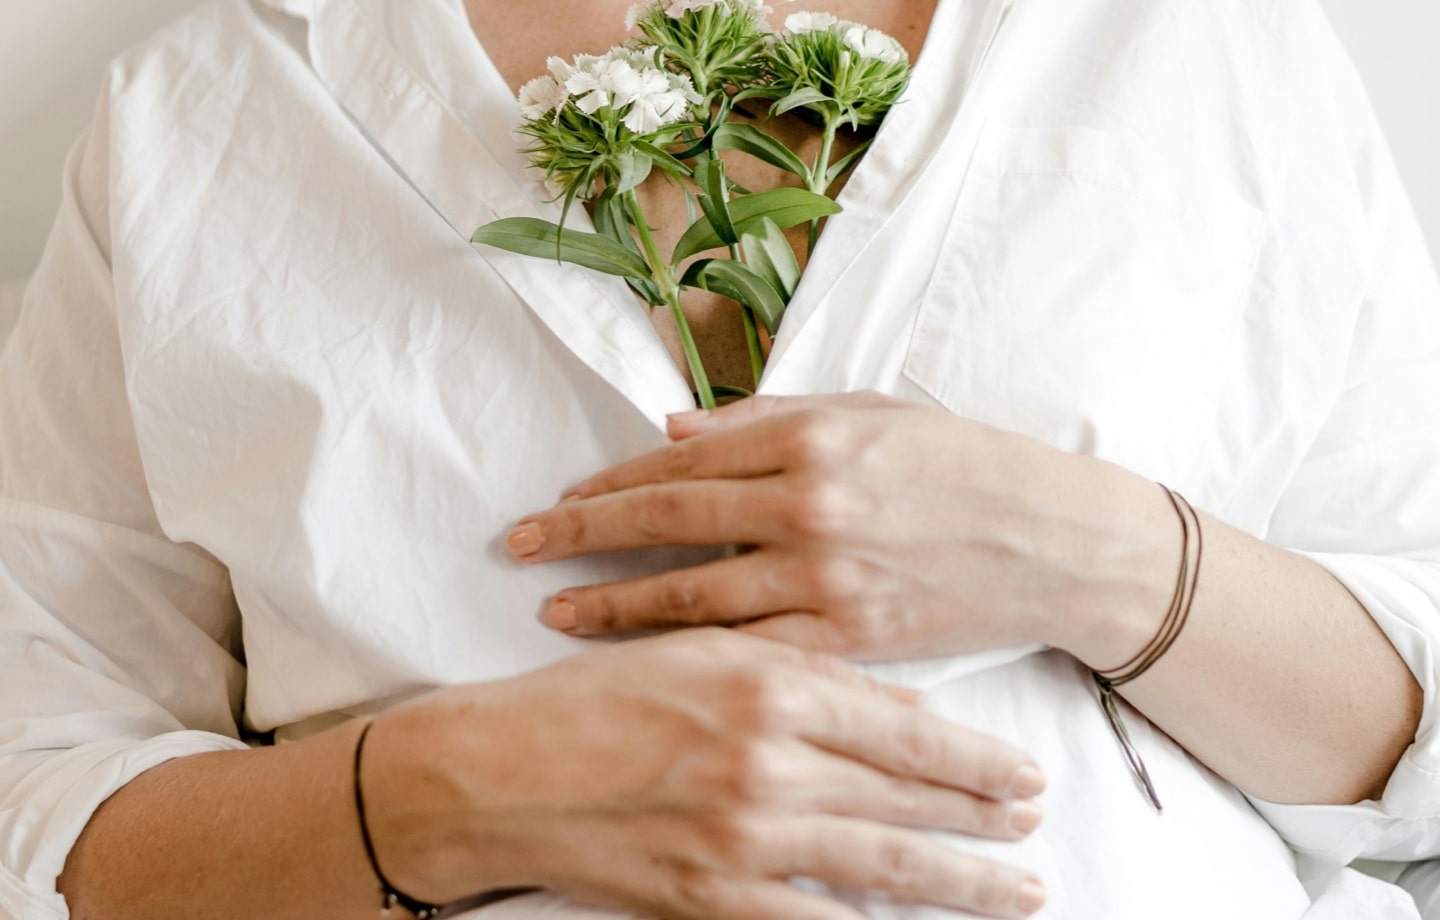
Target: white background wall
52, 53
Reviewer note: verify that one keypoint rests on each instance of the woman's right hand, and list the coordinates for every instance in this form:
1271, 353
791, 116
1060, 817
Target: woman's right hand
690, 776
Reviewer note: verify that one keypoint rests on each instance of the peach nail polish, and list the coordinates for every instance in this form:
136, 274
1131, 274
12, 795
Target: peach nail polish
561, 614
526, 540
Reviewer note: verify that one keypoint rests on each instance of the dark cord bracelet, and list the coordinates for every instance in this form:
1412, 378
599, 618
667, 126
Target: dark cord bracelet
390, 896
1175, 618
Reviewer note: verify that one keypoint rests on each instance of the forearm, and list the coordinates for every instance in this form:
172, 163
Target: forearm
265, 833
1281, 681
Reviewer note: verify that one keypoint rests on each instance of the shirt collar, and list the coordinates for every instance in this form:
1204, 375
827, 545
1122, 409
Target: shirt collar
385, 62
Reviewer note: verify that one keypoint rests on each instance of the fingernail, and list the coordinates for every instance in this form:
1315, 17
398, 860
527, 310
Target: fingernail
571, 497
526, 540
561, 614
906, 694
1027, 783
689, 418
1025, 816
1030, 898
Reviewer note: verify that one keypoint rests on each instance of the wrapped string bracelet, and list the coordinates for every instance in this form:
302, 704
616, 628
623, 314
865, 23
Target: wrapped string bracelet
390, 896
1175, 618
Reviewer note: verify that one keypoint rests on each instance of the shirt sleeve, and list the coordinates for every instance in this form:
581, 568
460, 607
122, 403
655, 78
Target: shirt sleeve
119, 649
1365, 502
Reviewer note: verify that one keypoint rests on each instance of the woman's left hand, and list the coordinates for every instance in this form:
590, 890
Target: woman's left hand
875, 528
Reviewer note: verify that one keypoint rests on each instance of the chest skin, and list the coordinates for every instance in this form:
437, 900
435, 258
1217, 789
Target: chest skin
519, 48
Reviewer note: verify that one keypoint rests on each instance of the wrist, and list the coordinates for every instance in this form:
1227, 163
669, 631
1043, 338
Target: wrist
1130, 566
425, 804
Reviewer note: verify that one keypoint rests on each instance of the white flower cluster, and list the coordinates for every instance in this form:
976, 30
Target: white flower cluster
870, 44
621, 79
677, 9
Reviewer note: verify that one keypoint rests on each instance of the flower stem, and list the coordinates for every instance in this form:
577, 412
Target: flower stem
670, 291
752, 333
819, 177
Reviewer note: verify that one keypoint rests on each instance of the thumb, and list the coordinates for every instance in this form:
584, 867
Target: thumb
684, 425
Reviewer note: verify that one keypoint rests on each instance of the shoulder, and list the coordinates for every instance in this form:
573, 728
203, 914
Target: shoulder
202, 68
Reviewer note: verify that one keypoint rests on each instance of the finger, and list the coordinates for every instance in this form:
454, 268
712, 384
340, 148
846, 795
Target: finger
707, 896
706, 513
733, 453
754, 437
852, 714
911, 743
906, 865
688, 424
792, 775
805, 630
835, 671
718, 593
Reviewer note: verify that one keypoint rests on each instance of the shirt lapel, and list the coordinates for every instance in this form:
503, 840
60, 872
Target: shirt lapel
943, 112
356, 49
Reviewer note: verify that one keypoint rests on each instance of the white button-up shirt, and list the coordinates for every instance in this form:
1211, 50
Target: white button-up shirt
267, 415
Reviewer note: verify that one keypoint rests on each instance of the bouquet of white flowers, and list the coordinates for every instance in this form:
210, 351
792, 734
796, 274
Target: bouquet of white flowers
599, 126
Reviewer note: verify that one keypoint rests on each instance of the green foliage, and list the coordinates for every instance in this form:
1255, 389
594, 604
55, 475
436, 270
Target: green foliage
669, 103
785, 207
825, 72
529, 236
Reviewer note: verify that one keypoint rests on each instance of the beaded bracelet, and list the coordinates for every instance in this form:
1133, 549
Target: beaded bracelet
1186, 584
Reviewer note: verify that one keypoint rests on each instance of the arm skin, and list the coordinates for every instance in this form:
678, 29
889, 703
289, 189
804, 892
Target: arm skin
264, 833
905, 530
1281, 681
686, 776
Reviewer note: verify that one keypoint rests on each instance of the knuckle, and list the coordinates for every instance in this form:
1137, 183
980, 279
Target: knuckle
695, 890
993, 772
820, 508
677, 462
835, 579
901, 863
654, 513
680, 599
868, 628
568, 525
733, 840
597, 612
816, 438
755, 773
920, 752
991, 819
766, 701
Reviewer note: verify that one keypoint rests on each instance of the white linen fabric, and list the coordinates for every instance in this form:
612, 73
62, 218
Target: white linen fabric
267, 415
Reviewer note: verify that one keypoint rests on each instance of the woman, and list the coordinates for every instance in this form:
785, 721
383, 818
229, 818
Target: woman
268, 423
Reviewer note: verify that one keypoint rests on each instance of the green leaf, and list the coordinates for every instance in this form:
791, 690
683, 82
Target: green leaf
841, 166
665, 161
750, 139
716, 203
702, 144
785, 206
610, 220
736, 281
701, 171
804, 96
528, 236
633, 169
768, 252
